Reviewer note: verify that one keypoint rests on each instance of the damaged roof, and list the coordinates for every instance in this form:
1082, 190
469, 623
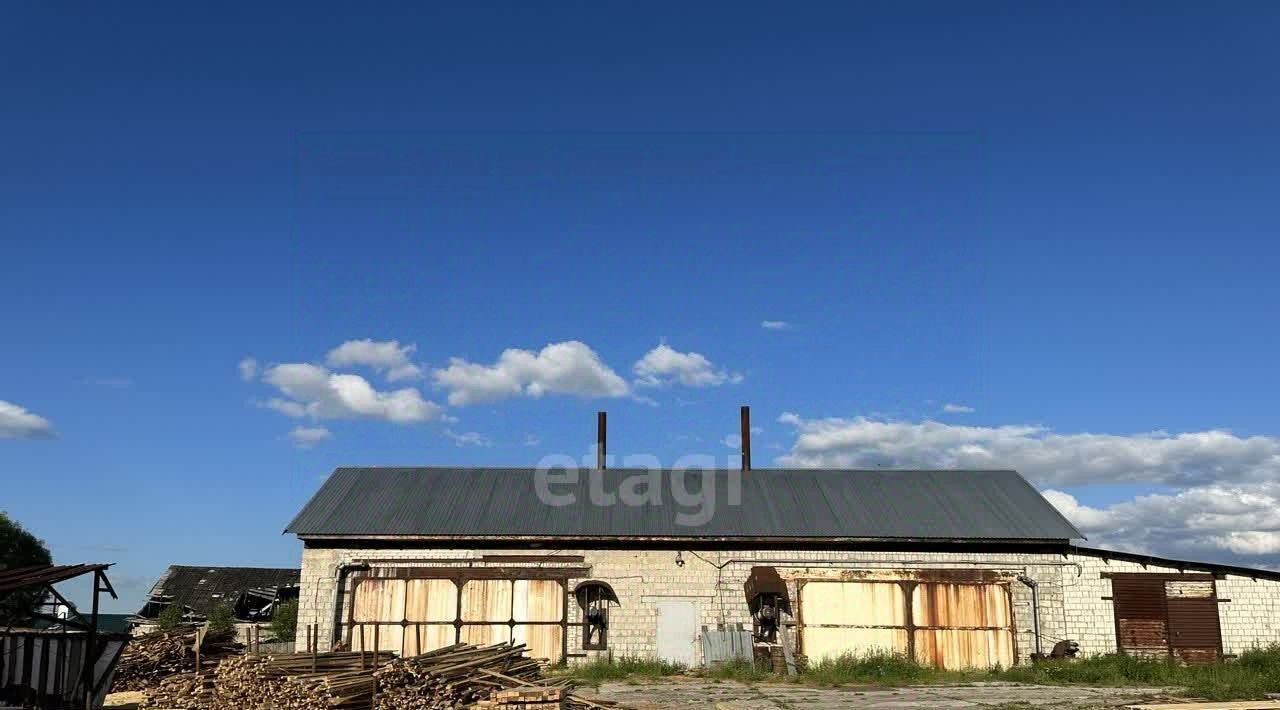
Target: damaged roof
201, 588
774, 504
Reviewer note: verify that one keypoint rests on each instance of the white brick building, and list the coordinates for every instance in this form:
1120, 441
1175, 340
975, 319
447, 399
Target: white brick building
941, 565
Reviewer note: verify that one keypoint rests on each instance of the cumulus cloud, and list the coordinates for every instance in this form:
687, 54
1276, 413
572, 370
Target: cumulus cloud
1047, 457
388, 356
248, 369
468, 438
1241, 519
665, 365
17, 423
954, 408
305, 437
313, 390
774, 324
1222, 498
569, 368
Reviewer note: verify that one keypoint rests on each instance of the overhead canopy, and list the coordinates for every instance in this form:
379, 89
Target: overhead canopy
43, 575
774, 504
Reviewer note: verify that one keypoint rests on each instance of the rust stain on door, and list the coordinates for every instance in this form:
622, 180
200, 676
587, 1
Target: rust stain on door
962, 625
951, 624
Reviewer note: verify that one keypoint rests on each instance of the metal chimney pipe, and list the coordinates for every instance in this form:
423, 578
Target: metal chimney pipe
746, 437
600, 437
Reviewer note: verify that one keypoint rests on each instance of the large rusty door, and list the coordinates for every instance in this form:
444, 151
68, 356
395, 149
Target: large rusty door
414, 613
1142, 626
1161, 615
959, 625
853, 617
948, 624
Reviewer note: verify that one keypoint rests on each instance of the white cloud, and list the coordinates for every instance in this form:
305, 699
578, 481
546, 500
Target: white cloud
569, 368
305, 437
953, 408
774, 324
1192, 458
17, 423
1201, 521
734, 440
665, 365
1223, 497
248, 369
532, 440
468, 438
314, 391
118, 382
387, 356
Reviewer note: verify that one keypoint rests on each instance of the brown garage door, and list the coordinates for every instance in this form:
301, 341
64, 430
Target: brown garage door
1161, 615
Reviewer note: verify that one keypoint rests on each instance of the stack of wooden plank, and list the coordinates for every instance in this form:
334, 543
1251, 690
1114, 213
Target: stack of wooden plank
533, 698
149, 659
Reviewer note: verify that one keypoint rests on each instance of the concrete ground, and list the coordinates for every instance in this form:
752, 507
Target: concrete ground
701, 694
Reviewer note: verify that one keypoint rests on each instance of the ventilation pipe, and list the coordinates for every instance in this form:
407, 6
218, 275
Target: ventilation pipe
745, 416
600, 436
1035, 609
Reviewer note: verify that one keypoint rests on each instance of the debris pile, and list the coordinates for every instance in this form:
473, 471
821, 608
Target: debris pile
148, 660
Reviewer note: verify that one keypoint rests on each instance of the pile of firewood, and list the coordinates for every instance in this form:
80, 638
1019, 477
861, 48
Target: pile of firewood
453, 676
149, 659
301, 681
185, 691
463, 675
444, 679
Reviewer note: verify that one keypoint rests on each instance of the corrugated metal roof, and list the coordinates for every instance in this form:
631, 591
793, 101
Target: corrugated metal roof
202, 588
774, 503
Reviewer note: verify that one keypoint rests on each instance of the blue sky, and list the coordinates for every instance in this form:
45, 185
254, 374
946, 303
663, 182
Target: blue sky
1061, 219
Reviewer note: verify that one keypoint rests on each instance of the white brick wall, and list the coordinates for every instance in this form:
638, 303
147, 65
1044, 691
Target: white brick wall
1071, 590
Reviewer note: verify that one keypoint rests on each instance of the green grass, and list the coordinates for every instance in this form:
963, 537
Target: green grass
1251, 676
876, 668
625, 667
737, 669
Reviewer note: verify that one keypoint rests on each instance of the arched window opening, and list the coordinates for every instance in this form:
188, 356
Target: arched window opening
594, 598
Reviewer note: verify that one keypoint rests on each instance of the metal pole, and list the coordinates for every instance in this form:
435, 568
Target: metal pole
91, 647
600, 440
745, 417
1035, 609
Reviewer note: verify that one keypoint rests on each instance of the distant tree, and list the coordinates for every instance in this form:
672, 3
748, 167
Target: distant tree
221, 621
19, 548
170, 618
284, 622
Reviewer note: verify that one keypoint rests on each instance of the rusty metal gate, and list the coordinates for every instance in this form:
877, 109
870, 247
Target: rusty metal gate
952, 620
1167, 614
415, 610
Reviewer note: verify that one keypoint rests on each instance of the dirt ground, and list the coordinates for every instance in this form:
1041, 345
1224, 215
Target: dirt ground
695, 694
